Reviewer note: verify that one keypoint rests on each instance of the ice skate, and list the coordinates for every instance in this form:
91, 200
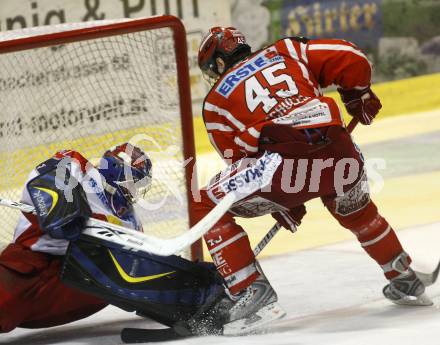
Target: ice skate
407, 289
253, 308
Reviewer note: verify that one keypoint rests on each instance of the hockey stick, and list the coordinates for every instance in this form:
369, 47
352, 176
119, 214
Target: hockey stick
101, 226
429, 279
267, 238
17, 205
138, 241
351, 126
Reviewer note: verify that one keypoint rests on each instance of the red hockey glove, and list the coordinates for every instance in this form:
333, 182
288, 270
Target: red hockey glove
362, 104
290, 219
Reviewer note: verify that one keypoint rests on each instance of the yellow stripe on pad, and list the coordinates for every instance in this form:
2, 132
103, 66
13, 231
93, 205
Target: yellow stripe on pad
134, 280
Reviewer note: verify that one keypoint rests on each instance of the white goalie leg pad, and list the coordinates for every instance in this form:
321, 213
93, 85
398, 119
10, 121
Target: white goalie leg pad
255, 322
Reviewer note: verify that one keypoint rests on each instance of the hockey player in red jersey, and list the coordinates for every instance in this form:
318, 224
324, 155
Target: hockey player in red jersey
268, 106
51, 274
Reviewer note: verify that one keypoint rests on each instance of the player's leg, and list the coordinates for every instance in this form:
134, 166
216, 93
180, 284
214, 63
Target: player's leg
227, 242
32, 295
249, 292
229, 247
355, 211
166, 289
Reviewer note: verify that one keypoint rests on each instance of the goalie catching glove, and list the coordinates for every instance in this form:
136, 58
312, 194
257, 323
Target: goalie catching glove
362, 104
61, 213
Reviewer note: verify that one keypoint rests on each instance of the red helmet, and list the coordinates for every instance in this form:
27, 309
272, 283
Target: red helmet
227, 43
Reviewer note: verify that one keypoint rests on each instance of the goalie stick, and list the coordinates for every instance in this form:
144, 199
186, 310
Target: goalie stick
138, 241
100, 226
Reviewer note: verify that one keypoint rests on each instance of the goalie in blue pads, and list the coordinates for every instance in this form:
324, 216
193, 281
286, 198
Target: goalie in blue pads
53, 274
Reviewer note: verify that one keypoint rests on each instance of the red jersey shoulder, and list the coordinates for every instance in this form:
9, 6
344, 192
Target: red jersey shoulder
74, 156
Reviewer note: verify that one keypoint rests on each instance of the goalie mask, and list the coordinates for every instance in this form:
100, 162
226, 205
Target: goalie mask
127, 171
226, 43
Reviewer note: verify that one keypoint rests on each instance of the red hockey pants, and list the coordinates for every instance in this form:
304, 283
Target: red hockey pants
32, 294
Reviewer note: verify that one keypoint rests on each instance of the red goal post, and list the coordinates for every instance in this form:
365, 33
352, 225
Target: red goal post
34, 124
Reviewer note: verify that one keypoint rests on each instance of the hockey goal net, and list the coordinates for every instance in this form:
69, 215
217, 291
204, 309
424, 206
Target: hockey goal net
89, 86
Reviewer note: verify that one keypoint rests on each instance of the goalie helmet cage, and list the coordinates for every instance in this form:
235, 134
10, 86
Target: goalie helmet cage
88, 86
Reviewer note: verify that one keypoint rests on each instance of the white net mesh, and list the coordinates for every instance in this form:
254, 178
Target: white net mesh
44, 30
88, 96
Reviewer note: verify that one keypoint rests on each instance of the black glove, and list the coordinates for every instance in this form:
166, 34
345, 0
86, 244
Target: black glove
362, 104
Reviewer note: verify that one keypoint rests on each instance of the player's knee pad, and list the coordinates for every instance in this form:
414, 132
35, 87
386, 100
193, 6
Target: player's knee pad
232, 255
367, 224
354, 210
363, 222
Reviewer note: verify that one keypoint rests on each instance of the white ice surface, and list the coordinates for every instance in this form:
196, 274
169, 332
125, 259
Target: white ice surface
332, 295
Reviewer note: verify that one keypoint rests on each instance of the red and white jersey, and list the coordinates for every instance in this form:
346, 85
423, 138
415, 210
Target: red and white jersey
281, 84
28, 232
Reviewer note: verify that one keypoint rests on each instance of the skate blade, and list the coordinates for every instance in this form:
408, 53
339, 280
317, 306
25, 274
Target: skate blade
423, 300
251, 324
